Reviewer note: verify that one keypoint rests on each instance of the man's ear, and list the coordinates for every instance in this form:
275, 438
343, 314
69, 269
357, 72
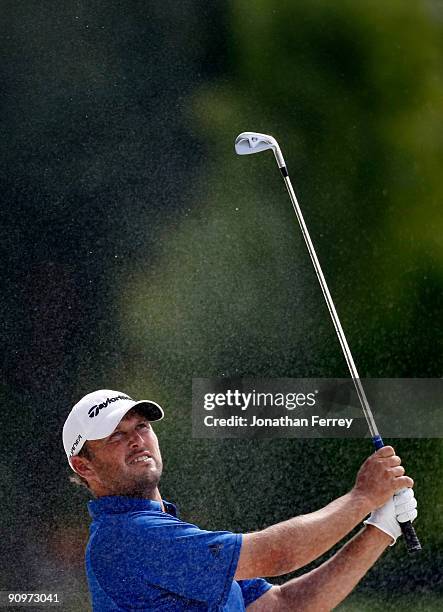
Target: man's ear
82, 466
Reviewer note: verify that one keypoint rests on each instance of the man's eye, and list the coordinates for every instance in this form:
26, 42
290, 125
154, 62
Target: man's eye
141, 425
115, 436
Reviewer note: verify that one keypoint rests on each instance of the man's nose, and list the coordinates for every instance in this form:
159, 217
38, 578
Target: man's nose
135, 438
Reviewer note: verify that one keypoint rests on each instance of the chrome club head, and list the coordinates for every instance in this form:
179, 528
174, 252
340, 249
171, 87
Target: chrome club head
248, 143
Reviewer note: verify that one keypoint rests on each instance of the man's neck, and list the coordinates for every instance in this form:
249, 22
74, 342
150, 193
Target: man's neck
153, 495
158, 498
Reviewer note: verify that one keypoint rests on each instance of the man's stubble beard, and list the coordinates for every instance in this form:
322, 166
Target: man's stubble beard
142, 485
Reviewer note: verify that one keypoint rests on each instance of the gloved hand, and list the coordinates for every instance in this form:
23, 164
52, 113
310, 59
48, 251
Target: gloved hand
398, 509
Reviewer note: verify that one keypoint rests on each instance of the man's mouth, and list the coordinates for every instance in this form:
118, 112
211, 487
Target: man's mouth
141, 458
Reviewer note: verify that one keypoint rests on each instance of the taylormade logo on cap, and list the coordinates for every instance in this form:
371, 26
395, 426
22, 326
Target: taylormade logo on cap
76, 443
96, 416
96, 409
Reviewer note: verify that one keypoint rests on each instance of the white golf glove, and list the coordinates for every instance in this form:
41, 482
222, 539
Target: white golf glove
398, 509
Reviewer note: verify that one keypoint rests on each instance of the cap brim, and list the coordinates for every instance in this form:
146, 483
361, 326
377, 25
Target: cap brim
151, 410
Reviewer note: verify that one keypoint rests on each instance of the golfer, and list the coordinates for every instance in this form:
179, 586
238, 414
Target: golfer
141, 556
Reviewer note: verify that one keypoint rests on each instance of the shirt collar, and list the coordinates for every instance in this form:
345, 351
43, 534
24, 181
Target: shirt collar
118, 504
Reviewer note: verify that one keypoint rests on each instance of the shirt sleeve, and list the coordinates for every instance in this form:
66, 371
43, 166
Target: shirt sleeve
184, 559
253, 589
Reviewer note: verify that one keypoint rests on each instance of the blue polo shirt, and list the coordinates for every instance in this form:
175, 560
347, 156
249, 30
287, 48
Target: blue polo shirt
140, 558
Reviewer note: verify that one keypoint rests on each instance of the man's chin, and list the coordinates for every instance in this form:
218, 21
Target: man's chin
144, 485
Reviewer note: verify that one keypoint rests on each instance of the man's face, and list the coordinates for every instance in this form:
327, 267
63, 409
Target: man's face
128, 462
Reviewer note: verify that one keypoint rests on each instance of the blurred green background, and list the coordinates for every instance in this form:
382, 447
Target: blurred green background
140, 252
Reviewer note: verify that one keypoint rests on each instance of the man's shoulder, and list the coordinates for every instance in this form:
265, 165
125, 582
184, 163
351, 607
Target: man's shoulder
136, 524
126, 536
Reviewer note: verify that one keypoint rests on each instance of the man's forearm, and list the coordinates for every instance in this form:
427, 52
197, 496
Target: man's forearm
281, 548
307, 537
298, 541
325, 587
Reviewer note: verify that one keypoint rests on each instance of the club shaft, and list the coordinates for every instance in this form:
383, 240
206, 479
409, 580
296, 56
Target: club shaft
253, 142
332, 311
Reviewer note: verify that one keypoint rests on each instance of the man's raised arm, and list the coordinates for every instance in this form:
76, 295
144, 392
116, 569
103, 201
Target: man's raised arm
287, 546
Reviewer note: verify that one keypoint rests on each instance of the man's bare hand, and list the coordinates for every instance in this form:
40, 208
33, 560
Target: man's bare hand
380, 477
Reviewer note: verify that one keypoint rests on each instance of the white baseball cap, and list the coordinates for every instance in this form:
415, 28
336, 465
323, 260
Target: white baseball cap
96, 416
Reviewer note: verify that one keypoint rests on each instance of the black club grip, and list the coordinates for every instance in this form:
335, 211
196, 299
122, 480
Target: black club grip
412, 542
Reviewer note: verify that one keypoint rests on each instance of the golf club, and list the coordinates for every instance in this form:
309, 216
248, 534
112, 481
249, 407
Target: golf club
248, 143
